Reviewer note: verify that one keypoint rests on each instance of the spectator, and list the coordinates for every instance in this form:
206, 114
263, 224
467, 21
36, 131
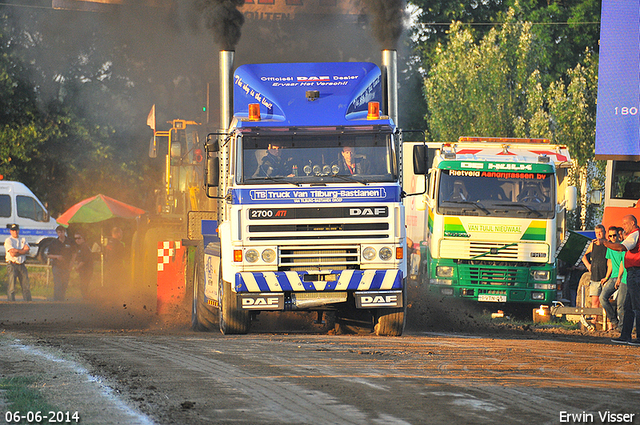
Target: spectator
597, 265
572, 279
611, 281
114, 254
61, 251
631, 249
84, 264
16, 251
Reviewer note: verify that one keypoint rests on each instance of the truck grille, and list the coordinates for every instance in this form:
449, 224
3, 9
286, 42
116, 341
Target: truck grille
494, 251
301, 258
493, 275
319, 231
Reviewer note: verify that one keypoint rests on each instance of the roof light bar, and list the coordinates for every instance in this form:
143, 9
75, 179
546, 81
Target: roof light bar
501, 139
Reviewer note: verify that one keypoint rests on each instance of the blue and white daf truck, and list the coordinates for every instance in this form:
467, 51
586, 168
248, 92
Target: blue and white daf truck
299, 226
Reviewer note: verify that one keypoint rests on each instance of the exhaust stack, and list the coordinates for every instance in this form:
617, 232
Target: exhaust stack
390, 84
226, 88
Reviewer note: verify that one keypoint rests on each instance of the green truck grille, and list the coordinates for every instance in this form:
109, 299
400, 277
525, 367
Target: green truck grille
492, 276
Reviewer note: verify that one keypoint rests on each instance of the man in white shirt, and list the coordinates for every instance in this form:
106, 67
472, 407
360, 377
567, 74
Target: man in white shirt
16, 250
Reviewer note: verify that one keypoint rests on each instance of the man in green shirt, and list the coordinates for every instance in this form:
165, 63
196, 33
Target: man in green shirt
615, 279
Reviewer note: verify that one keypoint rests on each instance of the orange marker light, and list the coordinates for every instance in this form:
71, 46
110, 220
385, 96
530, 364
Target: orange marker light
237, 255
373, 111
399, 253
254, 112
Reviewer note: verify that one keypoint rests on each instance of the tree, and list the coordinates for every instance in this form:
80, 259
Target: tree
68, 123
483, 88
23, 128
494, 87
572, 107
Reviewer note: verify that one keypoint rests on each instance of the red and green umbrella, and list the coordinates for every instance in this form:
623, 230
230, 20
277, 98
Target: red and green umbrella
96, 209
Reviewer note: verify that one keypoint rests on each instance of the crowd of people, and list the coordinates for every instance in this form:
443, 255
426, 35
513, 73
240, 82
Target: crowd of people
65, 254
614, 265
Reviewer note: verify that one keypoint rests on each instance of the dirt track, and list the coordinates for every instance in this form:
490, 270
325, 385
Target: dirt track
123, 364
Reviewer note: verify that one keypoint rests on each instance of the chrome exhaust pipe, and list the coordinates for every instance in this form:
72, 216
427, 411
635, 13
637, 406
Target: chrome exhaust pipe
390, 84
226, 88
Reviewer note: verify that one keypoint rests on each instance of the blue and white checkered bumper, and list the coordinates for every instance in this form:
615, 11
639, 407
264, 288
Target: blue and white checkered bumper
355, 280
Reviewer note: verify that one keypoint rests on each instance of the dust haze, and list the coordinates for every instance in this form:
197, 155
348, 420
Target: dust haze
120, 61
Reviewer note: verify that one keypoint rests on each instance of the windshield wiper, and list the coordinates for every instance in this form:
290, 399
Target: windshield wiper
533, 210
474, 203
281, 180
351, 179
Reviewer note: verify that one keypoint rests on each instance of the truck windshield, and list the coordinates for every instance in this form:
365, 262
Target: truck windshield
317, 158
501, 194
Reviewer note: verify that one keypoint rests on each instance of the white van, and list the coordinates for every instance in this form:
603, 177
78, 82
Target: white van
19, 205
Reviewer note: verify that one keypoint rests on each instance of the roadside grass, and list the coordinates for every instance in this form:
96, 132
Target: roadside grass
21, 395
41, 282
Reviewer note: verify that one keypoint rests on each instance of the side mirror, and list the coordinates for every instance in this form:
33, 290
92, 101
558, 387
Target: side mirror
420, 160
212, 145
153, 147
212, 178
571, 198
594, 197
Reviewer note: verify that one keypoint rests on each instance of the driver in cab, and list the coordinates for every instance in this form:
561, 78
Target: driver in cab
349, 164
274, 164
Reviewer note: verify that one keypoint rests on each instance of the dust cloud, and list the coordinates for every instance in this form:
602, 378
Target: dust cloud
118, 62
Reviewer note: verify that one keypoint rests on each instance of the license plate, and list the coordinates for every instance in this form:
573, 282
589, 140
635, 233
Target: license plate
492, 298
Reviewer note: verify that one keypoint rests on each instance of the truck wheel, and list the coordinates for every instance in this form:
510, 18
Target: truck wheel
203, 315
233, 319
391, 321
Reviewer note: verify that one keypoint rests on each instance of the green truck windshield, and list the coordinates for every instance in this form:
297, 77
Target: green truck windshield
496, 193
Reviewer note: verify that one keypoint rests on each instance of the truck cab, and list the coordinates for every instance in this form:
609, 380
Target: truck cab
492, 218
310, 213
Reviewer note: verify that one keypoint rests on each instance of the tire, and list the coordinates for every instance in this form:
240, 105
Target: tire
233, 319
203, 316
391, 321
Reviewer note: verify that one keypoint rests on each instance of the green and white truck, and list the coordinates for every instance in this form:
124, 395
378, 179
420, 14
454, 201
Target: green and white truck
492, 217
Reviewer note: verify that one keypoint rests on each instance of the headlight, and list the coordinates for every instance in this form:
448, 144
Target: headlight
385, 253
441, 282
540, 274
268, 255
444, 271
544, 286
369, 253
251, 255
537, 295
446, 291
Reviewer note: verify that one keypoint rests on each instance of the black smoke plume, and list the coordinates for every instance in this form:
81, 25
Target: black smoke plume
387, 21
224, 20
